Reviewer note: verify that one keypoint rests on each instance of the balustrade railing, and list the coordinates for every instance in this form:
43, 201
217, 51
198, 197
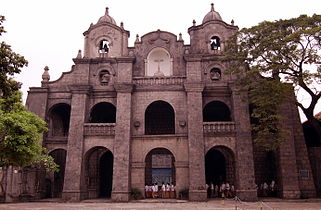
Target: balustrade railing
218, 127
99, 129
159, 80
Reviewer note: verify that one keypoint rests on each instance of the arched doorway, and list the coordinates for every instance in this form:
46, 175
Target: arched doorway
216, 111
103, 113
159, 118
59, 118
99, 172
265, 165
159, 167
219, 166
54, 185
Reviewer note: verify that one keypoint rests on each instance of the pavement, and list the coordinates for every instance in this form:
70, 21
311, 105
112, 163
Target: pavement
168, 204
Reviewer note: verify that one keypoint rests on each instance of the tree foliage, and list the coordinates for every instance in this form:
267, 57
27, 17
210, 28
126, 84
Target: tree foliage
271, 54
20, 130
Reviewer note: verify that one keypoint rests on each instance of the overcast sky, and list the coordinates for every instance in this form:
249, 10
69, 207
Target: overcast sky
50, 32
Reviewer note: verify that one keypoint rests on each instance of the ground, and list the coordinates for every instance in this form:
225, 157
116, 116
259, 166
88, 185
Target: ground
276, 204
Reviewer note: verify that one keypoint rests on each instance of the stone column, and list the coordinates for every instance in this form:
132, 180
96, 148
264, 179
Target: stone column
197, 191
37, 102
121, 172
245, 179
73, 182
287, 165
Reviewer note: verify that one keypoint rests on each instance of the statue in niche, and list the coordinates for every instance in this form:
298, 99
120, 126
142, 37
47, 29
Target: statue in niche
215, 74
104, 77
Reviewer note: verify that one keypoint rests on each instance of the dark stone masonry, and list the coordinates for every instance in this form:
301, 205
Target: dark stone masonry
160, 111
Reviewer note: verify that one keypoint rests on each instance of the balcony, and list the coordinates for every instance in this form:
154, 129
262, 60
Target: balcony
159, 80
99, 129
211, 128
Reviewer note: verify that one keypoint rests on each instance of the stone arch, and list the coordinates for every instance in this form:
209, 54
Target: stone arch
59, 119
55, 183
159, 118
216, 111
103, 112
219, 168
220, 165
159, 63
99, 172
160, 166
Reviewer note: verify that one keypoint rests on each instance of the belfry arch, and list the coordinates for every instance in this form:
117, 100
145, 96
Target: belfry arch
99, 172
160, 167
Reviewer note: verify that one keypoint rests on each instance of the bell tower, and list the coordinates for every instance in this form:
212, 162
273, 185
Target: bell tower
105, 38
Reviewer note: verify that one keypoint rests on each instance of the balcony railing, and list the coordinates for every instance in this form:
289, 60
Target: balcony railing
99, 129
159, 80
218, 127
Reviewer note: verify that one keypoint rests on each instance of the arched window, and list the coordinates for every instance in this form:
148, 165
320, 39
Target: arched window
159, 118
158, 63
103, 113
104, 46
215, 74
216, 111
59, 118
215, 43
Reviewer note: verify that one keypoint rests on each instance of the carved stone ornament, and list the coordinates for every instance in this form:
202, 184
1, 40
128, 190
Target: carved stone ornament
104, 77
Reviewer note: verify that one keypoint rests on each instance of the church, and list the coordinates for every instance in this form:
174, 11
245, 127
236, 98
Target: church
160, 111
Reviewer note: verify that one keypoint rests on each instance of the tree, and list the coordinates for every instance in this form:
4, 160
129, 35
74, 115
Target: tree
272, 55
20, 129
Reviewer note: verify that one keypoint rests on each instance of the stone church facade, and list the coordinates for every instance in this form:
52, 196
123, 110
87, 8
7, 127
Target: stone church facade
159, 111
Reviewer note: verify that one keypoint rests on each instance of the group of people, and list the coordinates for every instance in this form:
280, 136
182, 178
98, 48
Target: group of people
223, 190
162, 191
267, 190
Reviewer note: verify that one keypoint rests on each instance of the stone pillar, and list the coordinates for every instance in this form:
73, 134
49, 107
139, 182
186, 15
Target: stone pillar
182, 177
37, 102
121, 172
287, 164
197, 191
245, 179
73, 182
138, 174
306, 183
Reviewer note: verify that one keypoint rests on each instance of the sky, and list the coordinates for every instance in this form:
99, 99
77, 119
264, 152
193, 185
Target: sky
50, 33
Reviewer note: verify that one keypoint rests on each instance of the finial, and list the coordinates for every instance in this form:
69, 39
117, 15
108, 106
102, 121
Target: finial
137, 38
232, 22
106, 12
180, 37
79, 54
121, 24
45, 75
212, 7
194, 22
